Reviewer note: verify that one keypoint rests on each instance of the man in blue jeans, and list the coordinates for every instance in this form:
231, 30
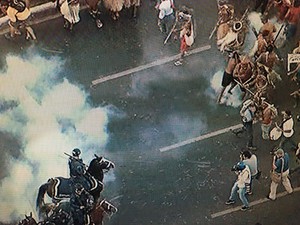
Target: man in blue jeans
244, 177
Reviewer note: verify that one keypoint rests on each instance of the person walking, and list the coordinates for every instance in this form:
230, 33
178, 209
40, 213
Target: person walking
266, 120
186, 36
280, 166
247, 114
244, 177
227, 79
250, 160
166, 15
287, 128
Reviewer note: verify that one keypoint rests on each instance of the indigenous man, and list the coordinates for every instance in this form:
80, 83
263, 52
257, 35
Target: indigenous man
186, 40
292, 16
261, 3
287, 128
81, 203
243, 73
18, 18
267, 30
70, 11
266, 121
244, 177
280, 166
228, 73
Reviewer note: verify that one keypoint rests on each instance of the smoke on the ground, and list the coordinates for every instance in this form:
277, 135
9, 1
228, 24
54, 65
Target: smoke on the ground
50, 116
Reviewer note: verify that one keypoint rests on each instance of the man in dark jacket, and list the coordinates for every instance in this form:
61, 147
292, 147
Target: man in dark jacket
81, 203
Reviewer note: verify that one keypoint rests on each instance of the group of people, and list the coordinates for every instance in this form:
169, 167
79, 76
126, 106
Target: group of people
176, 22
247, 170
81, 201
254, 73
18, 13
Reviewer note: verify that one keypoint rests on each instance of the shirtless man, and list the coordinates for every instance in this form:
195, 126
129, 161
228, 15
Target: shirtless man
228, 73
268, 30
268, 58
244, 72
292, 16
266, 121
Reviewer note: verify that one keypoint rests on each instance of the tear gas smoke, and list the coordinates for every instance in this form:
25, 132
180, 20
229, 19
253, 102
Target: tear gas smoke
49, 116
227, 99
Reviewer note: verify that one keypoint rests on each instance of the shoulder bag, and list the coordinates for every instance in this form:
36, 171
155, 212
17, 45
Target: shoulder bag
276, 177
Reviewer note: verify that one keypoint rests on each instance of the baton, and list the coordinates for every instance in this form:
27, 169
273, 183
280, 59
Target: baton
72, 157
171, 31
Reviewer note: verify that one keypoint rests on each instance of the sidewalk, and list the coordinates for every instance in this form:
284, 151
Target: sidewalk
39, 14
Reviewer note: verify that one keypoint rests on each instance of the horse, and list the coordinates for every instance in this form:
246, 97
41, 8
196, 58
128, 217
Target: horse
60, 188
29, 220
60, 214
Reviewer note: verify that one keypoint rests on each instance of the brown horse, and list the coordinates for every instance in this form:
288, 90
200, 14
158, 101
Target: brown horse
60, 214
100, 209
29, 220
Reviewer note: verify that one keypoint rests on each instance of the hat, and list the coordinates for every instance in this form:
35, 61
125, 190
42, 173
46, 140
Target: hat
279, 152
240, 165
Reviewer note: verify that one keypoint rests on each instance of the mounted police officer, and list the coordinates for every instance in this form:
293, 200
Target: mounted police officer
76, 165
81, 203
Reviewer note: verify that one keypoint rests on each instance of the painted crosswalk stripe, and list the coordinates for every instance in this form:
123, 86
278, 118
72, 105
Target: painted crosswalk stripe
146, 66
257, 202
200, 138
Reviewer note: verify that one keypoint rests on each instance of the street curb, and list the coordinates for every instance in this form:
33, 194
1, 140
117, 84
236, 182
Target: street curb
36, 9
39, 14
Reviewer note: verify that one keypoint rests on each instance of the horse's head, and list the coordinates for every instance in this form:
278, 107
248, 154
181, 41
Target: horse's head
108, 207
29, 220
104, 163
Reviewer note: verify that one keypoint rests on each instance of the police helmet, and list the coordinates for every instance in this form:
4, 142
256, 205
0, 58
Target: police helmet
240, 165
76, 152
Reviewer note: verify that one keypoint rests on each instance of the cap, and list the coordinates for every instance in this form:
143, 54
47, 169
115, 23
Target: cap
240, 165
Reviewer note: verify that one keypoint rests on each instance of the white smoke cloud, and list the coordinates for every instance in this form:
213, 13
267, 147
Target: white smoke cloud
227, 99
49, 116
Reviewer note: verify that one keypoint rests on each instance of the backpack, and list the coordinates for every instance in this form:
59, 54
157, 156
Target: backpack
19, 5
245, 106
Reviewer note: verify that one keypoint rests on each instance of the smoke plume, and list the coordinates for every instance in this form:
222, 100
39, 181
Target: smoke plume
48, 116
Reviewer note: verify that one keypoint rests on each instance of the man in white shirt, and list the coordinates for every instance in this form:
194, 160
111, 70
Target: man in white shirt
251, 161
166, 15
244, 177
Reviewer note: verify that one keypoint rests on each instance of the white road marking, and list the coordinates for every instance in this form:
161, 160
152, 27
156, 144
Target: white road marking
146, 66
200, 138
257, 202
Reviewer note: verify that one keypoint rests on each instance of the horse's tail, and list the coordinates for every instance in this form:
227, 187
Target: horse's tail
40, 198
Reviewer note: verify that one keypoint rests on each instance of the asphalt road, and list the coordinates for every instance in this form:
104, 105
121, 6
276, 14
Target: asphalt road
147, 111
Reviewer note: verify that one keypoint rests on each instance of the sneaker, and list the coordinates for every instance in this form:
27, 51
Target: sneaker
178, 63
268, 197
244, 208
230, 202
8, 36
